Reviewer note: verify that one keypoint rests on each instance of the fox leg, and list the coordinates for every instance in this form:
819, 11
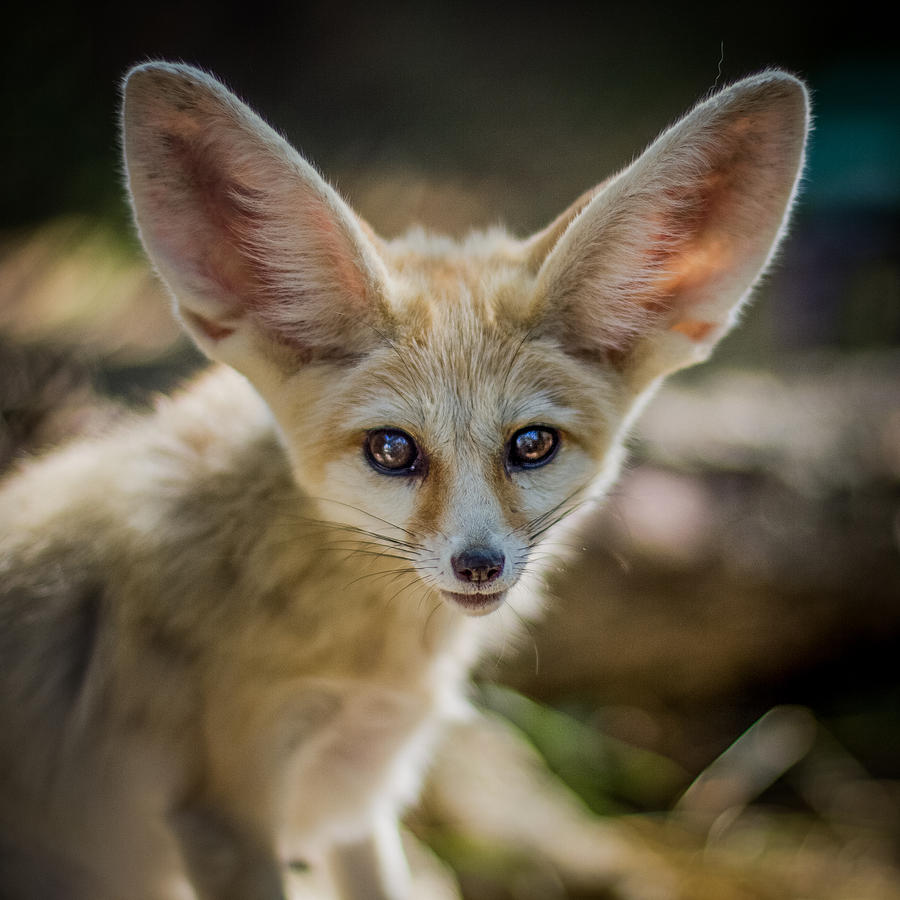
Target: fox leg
223, 861
373, 868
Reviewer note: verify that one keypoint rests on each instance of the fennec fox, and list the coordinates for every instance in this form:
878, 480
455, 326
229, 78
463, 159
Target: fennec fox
231, 630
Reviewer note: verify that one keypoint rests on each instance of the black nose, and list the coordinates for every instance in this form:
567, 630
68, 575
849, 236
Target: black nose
478, 564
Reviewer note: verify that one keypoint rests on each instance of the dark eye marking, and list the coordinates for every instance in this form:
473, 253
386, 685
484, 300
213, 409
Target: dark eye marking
531, 447
392, 452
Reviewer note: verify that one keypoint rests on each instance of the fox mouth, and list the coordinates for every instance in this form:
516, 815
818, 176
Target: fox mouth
476, 604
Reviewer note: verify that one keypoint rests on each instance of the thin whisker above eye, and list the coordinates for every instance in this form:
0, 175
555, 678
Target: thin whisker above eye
404, 361
406, 401
514, 357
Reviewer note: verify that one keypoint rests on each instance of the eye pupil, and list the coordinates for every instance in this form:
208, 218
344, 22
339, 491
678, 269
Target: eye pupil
391, 450
532, 446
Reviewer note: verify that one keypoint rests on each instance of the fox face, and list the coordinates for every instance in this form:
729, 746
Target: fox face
456, 445
445, 402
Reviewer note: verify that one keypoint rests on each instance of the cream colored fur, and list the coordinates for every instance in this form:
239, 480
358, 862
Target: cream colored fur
228, 639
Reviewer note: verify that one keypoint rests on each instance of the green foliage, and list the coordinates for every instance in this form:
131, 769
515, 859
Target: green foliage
610, 775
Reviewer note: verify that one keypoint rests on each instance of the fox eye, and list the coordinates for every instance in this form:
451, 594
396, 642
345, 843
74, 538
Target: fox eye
392, 451
532, 446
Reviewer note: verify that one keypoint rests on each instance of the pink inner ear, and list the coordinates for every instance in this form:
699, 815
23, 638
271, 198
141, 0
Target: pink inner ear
210, 329
676, 241
192, 220
243, 230
269, 251
691, 253
695, 329
698, 264
326, 258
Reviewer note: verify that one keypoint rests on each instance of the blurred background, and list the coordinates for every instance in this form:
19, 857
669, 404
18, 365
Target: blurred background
718, 679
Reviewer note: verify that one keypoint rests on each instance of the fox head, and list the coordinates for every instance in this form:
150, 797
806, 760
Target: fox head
456, 399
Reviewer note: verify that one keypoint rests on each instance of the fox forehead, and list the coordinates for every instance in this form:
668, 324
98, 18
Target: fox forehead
461, 351
486, 275
466, 365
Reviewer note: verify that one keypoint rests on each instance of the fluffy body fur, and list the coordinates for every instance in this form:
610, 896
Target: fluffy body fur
229, 633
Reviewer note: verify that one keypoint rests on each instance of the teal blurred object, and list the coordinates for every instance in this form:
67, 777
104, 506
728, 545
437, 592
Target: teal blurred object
854, 160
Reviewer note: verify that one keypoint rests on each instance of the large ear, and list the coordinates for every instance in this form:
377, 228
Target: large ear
264, 259
650, 272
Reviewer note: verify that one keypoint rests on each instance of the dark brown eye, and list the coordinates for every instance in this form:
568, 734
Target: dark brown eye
391, 451
532, 447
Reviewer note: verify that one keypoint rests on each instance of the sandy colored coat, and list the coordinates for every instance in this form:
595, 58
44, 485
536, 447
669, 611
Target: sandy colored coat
227, 639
